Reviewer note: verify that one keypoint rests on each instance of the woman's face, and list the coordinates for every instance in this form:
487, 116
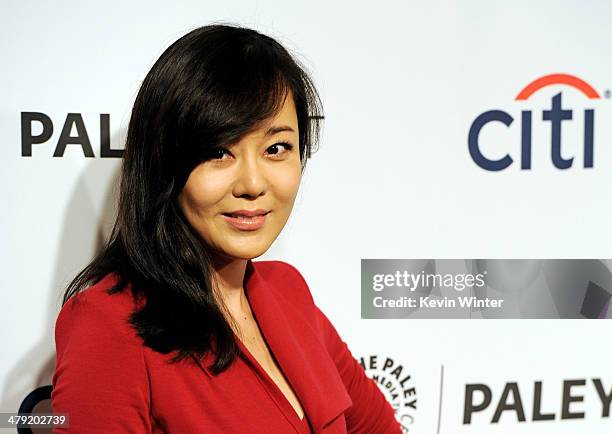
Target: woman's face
257, 173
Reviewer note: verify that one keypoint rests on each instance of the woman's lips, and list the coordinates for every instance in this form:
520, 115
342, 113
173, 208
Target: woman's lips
245, 223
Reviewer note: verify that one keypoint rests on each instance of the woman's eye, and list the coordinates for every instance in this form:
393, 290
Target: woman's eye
217, 154
277, 148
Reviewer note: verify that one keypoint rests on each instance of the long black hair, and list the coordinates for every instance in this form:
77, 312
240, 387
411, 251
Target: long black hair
207, 89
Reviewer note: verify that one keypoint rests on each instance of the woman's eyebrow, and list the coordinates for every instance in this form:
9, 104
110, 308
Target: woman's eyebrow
274, 130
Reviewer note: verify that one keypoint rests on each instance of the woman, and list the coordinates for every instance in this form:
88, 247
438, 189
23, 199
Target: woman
178, 330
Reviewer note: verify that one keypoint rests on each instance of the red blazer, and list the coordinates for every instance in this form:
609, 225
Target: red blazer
109, 382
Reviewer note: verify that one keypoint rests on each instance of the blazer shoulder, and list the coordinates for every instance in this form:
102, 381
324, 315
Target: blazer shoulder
282, 275
101, 375
94, 308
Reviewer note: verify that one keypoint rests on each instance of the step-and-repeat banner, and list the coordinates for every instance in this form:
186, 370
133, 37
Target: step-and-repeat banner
454, 223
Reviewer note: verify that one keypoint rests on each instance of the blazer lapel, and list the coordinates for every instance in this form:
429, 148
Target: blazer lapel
298, 349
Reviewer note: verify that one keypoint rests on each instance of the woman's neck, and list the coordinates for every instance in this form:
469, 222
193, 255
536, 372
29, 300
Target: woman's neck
229, 280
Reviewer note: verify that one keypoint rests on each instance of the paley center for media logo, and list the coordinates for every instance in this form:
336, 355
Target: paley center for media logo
557, 115
396, 384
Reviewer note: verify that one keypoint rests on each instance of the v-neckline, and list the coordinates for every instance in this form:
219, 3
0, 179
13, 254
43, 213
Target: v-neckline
258, 366
295, 344
270, 380
267, 376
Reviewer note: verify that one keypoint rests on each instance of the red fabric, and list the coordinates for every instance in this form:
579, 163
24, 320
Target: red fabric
109, 382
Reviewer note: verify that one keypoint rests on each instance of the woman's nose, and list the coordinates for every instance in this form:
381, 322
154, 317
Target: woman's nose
251, 180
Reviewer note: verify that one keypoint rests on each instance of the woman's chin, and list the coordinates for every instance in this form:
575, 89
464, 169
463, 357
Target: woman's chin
246, 251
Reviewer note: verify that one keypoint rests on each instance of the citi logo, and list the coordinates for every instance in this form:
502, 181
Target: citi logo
555, 115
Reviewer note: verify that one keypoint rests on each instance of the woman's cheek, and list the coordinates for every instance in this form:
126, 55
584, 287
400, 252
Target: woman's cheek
207, 190
288, 182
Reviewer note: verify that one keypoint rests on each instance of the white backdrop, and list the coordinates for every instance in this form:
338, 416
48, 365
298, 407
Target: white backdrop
401, 83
